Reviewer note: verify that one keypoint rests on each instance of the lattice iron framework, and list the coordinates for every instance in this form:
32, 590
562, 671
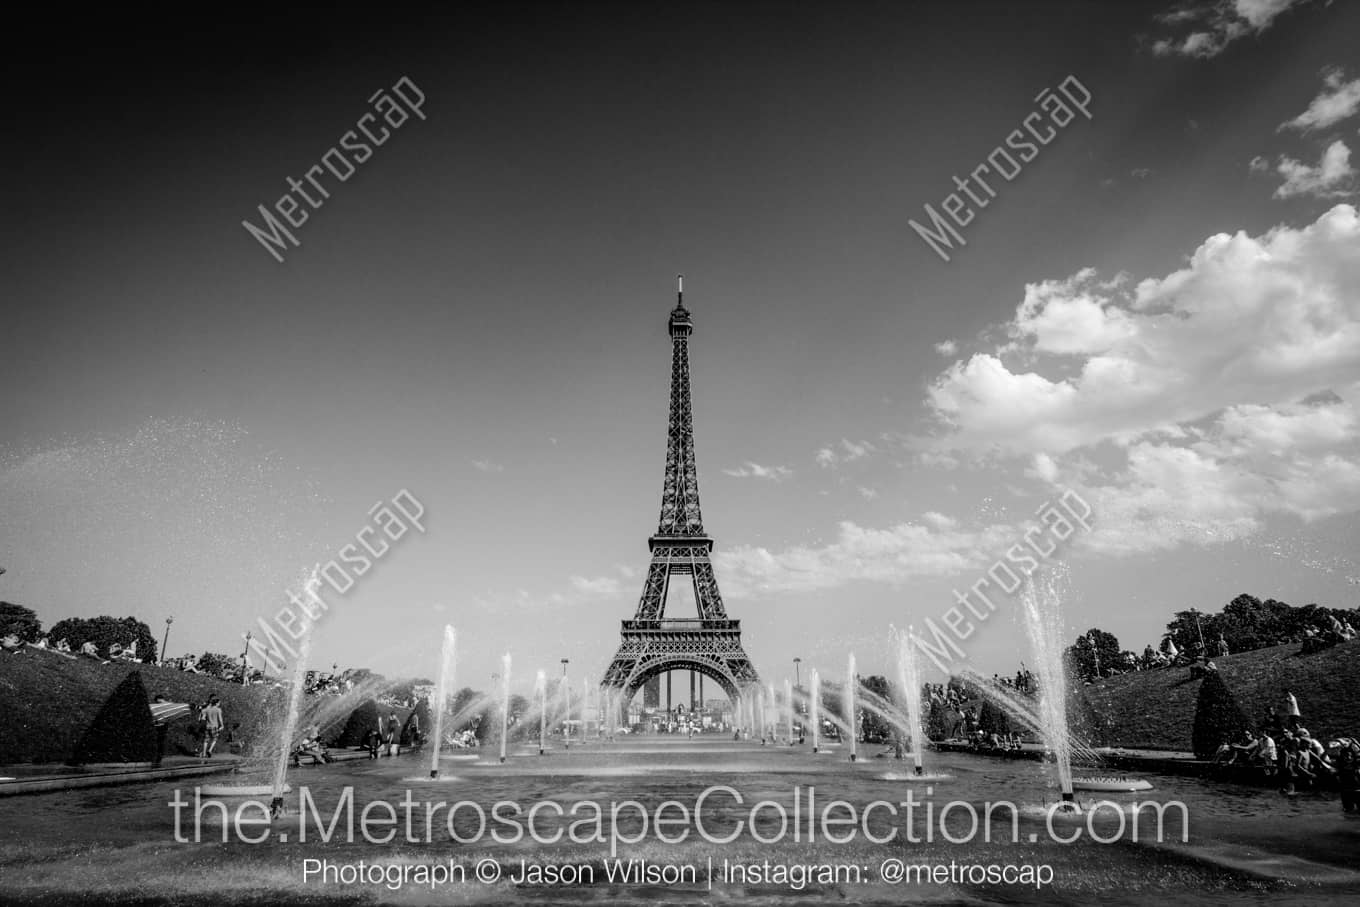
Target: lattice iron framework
652, 643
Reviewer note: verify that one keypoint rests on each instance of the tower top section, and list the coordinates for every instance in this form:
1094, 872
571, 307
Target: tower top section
681, 325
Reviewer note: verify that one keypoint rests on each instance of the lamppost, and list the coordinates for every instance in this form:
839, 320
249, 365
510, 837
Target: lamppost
245, 661
165, 641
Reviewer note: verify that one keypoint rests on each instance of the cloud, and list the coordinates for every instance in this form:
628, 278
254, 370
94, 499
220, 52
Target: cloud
1141, 173
1333, 177
1213, 26
867, 493
946, 347
487, 466
1266, 320
1338, 101
756, 471
847, 452
1191, 407
894, 555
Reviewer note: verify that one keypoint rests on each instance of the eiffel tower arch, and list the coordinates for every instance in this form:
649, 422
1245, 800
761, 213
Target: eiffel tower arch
652, 643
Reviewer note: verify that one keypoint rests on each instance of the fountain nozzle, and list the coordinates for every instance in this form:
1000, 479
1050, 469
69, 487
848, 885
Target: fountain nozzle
275, 807
434, 773
920, 770
852, 757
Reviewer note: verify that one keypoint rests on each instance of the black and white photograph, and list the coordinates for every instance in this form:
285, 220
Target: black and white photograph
360, 370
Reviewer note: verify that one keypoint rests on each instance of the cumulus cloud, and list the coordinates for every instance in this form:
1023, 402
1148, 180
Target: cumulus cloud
1267, 319
946, 347
892, 555
846, 452
756, 471
1338, 101
1204, 29
1212, 397
1333, 177
487, 466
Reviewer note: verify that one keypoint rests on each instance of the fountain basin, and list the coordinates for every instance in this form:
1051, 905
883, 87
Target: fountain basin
240, 790
1118, 785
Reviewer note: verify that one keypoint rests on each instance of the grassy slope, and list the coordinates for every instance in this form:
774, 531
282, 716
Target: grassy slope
1156, 709
47, 701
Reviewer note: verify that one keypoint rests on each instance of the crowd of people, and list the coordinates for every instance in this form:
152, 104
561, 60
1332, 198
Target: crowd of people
1283, 751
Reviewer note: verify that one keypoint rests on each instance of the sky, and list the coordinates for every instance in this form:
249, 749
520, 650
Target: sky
1159, 311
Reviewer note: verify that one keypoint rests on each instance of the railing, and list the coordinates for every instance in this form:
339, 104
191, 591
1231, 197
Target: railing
681, 625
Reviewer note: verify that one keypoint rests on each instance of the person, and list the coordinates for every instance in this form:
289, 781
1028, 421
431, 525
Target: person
1289, 711
373, 740
11, 643
212, 720
392, 734
1222, 646
1348, 773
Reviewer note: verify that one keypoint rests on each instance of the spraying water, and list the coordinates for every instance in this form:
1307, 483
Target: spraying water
309, 587
788, 708
909, 679
815, 720
1041, 603
850, 684
566, 724
447, 665
505, 704
773, 725
542, 686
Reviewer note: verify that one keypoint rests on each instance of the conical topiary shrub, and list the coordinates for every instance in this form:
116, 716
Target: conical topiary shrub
937, 724
363, 719
993, 720
1218, 717
417, 722
123, 731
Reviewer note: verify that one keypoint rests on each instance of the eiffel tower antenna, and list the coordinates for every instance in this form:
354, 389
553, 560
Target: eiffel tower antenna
653, 644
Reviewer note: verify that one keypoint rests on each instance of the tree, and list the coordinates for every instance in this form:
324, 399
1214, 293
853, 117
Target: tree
1094, 654
875, 726
104, 631
1218, 717
20, 621
123, 731
214, 664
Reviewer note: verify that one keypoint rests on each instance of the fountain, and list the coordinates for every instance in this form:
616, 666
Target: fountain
447, 666
542, 685
566, 722
909, 679
1040, 601
813, 718
505, 703
295, 691
850, 683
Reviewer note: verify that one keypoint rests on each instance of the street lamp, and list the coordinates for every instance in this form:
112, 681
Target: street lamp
165, 641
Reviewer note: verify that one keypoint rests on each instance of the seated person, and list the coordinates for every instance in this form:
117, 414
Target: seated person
11, 643
63, 645
310, 748
90, 649
40, 644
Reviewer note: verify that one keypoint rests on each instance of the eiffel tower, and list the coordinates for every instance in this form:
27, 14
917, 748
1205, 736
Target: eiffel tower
653, 644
